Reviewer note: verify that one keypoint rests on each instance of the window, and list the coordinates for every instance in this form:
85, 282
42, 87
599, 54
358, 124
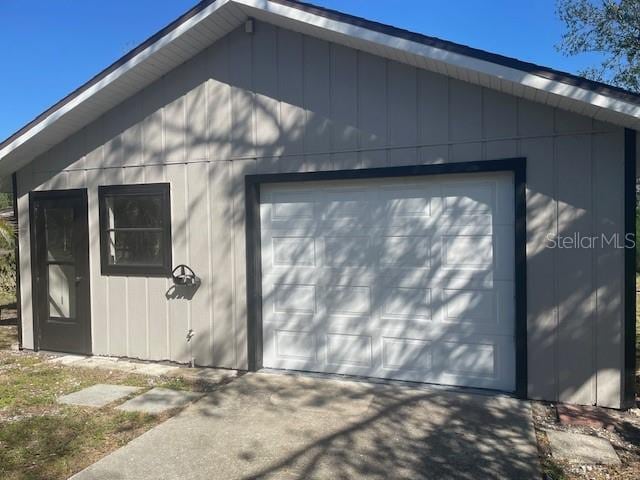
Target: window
135, 229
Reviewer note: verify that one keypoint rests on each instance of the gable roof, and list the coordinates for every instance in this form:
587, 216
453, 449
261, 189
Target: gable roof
212, 19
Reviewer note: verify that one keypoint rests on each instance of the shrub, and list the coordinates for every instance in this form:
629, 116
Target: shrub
7, 277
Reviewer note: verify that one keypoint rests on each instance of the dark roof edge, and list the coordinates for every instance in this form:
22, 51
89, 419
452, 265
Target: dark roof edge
551, 74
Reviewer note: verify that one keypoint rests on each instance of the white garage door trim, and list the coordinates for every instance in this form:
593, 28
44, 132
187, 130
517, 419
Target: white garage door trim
384, 340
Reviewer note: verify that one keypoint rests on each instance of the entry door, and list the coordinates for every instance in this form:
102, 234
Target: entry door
60, 253
404, 278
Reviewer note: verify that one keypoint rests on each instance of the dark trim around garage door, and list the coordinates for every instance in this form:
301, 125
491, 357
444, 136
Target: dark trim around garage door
254, 276
629, 375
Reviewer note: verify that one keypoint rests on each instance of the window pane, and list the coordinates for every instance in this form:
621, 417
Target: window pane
134, 229
135, 211
62, 291
135, 248
58, 232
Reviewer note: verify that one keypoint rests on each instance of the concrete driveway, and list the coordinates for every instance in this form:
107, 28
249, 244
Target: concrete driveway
294, 427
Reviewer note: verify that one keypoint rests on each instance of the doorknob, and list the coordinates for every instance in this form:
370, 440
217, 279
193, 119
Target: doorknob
78, 279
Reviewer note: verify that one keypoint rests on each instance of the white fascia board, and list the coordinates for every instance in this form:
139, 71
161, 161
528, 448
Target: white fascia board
447, 57
113, 76
442, 56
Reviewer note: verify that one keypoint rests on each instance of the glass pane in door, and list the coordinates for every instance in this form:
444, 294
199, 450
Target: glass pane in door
61, 270
59, 233
62, 291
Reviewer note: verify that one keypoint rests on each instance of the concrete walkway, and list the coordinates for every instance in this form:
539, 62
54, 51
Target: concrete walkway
292, 427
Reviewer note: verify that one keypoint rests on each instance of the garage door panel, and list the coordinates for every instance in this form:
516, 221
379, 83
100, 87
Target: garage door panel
353, 276
296, 228
503, 240
435, 277
469, 305
464, 198
451, 363
294, 298
287, 276
358, 325
466, 362
409, 203
446, 228
346, 250
432, 227
433, 330
346, 204
292, 251
406, 354
410, 279
406, 251
349, 350
486, 310
467, 251
290, 348
347, 300
475, 363
296, 345
406, 303
291, 206
505, 291
468, 221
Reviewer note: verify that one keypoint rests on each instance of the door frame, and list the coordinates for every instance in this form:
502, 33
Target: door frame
253, 182
80, 193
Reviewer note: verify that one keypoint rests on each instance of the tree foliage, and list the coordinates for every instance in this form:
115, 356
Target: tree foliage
7, 260
610, 28
5, 200
7, 234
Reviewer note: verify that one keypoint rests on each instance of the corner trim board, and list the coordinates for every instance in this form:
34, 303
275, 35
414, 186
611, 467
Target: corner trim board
628, 377
252, 232
32, 254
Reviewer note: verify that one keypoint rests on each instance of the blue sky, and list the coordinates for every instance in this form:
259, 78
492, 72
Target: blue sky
50, 47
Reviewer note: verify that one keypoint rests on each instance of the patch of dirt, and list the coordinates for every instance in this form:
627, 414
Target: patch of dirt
625, 439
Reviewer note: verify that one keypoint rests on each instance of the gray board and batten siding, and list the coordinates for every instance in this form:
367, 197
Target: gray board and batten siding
277, 101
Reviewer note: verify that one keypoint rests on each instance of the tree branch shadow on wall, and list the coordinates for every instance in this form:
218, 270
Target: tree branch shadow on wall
565, 313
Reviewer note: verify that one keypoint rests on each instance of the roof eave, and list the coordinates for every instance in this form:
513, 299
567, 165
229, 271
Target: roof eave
213, 19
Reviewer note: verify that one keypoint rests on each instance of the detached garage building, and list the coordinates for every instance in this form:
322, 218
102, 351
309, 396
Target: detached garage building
334, 195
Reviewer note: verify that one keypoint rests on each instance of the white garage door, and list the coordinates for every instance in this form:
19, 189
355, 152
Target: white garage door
406, 278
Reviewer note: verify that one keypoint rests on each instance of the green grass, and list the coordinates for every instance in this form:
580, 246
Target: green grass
41, 439
53, 446
26, 381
